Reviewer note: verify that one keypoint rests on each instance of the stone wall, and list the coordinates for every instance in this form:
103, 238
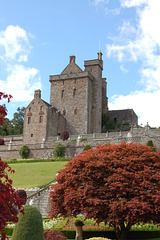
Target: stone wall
74, 145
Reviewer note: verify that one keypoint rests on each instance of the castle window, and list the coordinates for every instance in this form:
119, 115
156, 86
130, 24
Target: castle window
29, 120
64, 112
74, 92
75, 111
41, 108
115, 120
62, 94
32, 135
40, 119
30, 109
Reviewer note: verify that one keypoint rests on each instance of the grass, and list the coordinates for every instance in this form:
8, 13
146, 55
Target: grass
30, 175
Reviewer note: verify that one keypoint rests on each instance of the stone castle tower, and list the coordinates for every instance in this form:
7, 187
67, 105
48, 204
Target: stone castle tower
80, 96
77, 101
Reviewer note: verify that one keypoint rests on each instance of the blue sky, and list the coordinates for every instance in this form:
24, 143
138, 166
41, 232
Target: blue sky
37, 37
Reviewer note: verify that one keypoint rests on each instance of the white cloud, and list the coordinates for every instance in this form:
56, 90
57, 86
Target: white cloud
140, 42
143, 103
18, 80
123, 69
14, 44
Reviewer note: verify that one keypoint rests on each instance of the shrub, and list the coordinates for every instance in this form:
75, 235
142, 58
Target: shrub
1, 141
24, 151
98, 238
58, 150
29, 226
54, 235
22, 195
64, 135
150, 144
83, 139
87, 147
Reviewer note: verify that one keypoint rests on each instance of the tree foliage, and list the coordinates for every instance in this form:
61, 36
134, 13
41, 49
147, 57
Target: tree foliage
64, 135
116, 184
17, 121
10, 204
15, 126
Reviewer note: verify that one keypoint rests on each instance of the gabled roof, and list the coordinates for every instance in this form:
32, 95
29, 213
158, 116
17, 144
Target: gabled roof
71, 68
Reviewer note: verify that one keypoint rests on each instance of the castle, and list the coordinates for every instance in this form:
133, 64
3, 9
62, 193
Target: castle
77, 101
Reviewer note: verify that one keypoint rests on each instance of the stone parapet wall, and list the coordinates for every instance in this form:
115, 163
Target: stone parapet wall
73, 147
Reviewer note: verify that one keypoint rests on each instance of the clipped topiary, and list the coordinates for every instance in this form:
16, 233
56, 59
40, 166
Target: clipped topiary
54, 235
64, 135
29, 226
58, 150
24, 151
87, 147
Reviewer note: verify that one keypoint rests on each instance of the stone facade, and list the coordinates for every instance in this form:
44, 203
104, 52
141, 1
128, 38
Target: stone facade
125, 117
77, 101
41, 121
77, 95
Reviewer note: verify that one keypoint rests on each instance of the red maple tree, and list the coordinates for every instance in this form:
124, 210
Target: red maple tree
10, 203
116, 184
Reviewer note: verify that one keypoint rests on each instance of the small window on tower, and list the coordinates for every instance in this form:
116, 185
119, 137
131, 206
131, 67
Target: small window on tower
74, 92
75, 111
41, 108
62, 94
40, 119
29, 120
30, 109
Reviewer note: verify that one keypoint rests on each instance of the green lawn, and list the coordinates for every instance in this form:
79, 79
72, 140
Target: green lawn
29, 175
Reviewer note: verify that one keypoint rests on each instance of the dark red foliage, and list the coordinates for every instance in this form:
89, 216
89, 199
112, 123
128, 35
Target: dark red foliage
117, 184
10, 204
64, 135
9, 201
54, 235
21, 193
1, 141
3, 110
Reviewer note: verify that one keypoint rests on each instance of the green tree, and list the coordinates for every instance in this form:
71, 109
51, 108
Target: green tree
17, 120
6, 128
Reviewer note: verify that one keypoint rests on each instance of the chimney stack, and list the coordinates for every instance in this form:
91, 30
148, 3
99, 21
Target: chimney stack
72, 59
37, 94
